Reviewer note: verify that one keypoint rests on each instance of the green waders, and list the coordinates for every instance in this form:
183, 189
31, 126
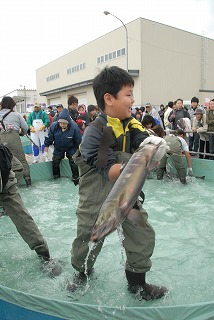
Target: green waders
11, 201
13, 142
139, 239
173, 155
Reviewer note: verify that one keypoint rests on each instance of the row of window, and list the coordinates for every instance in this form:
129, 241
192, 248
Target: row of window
111, 55
79, 67
53, 77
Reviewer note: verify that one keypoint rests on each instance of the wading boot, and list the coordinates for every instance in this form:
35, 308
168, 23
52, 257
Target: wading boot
49, 266
138, 285
28, 181
78, 280
183, 180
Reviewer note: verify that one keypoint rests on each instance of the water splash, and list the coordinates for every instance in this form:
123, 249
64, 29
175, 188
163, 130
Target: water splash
121, 239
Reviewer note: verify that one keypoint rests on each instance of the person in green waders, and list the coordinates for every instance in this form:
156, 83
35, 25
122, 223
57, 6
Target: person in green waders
100, 162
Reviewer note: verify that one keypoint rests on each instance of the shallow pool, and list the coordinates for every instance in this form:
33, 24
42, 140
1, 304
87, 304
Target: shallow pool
183, 260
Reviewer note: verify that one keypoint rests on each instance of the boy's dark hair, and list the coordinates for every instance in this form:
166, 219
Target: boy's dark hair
195, 99
72, 99
7, 103
91, 107
110, 80
147, 119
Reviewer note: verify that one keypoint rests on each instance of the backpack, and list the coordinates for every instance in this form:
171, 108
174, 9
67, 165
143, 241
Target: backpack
5, 165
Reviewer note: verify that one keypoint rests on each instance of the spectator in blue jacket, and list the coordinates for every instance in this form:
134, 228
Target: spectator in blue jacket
66, 137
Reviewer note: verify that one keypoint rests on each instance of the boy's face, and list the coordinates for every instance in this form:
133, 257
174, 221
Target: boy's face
121, 106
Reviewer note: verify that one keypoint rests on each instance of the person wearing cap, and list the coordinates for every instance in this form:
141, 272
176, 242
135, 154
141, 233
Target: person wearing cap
177, 147
152, 112
200, 127
59, 109
66, 137
38, 123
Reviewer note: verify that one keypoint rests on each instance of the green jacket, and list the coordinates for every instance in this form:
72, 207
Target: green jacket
38, 115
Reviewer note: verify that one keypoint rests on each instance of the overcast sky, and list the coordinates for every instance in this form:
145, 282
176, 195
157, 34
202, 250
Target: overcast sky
35, 32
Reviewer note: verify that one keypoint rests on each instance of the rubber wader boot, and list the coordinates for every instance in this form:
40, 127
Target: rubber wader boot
183, 180
138, 285
28, 181
78, 280
49, 266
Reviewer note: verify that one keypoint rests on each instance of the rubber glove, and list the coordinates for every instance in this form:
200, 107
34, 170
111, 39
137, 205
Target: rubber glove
42, 127
190, 172
160, 142
32, 129
45, 157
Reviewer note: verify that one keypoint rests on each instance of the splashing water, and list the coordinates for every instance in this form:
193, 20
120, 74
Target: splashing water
182, 217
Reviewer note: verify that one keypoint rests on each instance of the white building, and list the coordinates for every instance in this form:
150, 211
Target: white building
166, 63
24, 98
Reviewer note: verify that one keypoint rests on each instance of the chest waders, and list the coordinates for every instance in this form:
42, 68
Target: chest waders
174, 156
93, 189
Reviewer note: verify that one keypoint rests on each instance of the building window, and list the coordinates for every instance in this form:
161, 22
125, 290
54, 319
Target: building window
112, 55
52, 77
76, 68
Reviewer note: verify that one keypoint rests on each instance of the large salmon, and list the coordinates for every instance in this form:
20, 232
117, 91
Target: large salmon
126, 189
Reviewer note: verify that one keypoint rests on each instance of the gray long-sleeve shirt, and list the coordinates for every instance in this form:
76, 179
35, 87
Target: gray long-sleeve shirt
13, 121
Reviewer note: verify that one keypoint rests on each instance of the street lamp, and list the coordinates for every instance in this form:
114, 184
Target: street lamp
107, 13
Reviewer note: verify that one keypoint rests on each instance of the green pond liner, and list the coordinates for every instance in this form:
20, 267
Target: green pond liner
184, 245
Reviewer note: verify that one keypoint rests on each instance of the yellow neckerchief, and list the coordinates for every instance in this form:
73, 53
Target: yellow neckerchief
120, 129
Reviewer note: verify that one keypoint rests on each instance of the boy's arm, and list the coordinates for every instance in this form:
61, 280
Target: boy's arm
89, 148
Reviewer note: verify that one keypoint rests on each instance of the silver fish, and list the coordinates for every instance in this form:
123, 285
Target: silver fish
125, 192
